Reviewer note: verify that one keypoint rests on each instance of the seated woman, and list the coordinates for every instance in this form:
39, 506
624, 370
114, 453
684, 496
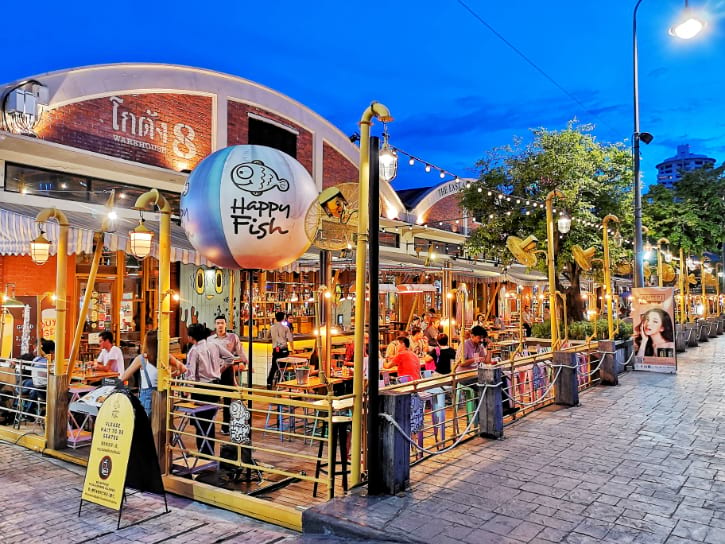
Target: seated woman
442, 356
147, 363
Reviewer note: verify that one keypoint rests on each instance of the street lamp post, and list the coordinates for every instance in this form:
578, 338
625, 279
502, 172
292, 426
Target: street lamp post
682, 280
381, 112
552, 268
163, 301
607, 273
660, 242
56, 431
687, 28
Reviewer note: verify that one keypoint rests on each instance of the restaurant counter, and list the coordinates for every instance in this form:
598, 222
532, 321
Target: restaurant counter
262, 353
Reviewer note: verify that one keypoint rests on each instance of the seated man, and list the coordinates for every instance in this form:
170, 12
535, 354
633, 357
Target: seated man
111, 357
406, 361
36, 386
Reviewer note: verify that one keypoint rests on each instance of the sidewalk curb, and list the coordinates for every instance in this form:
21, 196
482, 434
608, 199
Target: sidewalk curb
316, 522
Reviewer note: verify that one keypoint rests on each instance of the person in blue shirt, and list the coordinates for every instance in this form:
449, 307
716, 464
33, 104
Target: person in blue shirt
36, 386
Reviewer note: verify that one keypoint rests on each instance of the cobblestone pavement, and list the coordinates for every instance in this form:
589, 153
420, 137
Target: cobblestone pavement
641, 462
39, 499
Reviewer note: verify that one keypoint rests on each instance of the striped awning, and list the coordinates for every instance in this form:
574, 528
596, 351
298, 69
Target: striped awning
18, 228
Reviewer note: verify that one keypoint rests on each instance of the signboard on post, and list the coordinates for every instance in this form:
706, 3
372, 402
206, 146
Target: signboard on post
106, 472
653, 319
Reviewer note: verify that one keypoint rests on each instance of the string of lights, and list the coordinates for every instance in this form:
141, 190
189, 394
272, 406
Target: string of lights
492, 192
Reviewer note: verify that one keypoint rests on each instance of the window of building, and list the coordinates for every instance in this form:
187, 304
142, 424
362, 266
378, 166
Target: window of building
389, 239
271, 135
49, 183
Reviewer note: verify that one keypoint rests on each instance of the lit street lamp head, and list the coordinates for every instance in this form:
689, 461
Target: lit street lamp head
689, 25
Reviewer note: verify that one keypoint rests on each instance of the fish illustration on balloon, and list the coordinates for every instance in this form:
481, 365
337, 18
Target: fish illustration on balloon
256, 178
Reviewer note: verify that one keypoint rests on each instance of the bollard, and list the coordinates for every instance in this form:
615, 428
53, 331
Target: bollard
394, 448
490, 415
712, 323
703, 331
681, 335
719, 322
567, 386
693, 334
608, 367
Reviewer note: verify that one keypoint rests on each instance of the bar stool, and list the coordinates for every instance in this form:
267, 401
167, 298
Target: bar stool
466, 396
340, 426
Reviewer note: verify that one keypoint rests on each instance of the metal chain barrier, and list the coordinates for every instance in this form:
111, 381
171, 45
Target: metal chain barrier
474, 418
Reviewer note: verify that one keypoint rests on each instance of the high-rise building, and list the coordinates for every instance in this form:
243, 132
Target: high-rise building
670, 170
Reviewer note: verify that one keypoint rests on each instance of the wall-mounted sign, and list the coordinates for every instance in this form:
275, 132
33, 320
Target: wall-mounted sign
170, 130
244, 207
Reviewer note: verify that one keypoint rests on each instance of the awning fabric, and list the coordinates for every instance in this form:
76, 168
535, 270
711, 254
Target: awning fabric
18, 228
523, 276
416, 288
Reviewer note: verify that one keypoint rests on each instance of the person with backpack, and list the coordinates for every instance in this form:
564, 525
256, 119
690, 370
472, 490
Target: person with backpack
147, 364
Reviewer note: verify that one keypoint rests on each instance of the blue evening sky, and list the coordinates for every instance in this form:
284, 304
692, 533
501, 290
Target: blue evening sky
454, 88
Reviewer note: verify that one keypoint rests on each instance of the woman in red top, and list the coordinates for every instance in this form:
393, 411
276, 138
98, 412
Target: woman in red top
407, 362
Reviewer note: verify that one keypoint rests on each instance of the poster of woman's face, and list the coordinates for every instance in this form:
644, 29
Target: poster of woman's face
654, 330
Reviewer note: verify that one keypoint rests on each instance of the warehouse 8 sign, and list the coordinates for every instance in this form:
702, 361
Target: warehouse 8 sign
244, 207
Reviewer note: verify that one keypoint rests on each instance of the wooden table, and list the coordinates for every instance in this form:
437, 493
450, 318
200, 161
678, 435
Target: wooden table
93, 376
313, 382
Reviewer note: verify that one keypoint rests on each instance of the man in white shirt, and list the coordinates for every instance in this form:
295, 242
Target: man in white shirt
111, 357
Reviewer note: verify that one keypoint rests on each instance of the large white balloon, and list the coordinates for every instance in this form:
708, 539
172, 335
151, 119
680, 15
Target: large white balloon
244, 207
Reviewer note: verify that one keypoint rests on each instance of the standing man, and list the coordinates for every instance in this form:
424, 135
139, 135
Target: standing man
229, 341
111, 357
282, 341
431, 330
204, 364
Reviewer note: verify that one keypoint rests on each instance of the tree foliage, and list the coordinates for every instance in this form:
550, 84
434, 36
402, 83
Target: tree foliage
595, 179
692, 214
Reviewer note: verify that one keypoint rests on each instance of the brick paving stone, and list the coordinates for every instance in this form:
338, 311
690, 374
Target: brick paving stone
690, 530
41, 496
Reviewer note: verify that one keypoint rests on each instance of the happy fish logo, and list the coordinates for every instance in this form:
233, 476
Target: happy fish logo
104, 467
256, 177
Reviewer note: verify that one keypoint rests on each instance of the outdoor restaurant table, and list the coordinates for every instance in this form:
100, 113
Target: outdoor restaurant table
313, 383
504, 348
93, 376
82, 413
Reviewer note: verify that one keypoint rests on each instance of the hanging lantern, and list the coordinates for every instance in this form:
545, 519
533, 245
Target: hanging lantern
388, 160
40, 249
564, 224
141, 240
